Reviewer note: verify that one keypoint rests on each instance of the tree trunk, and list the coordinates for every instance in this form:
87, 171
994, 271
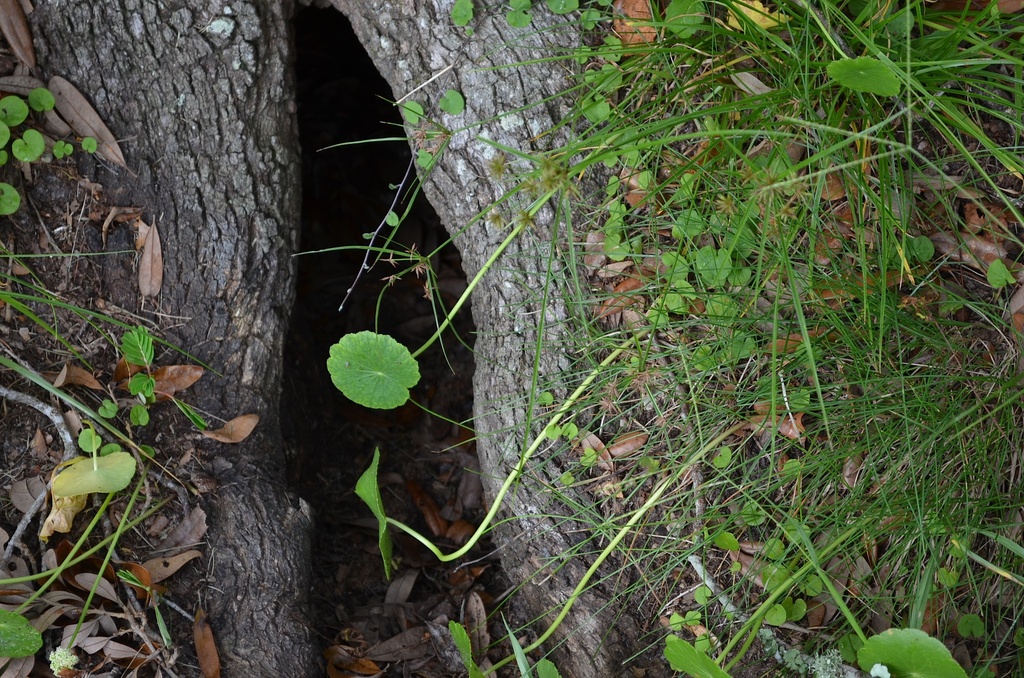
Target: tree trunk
201, 95
410, 42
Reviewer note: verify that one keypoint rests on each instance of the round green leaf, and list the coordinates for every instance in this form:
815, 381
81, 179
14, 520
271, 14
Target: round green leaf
775, 616
723, 458
5, 134
971, 626
10, 200
373, 370
87, 475
452, 102
139, 415
17, 637
89, 441
40, 99
462, 12
563, 6
796, 610
909, 653
864, 74
107, 409
518, 18
29, 147
13, 110
89, 145
684, 17
713, 266
62, 149
999, 275
727, 541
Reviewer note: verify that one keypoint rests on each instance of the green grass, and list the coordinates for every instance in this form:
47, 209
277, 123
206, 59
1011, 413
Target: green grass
782, 248
812, 290
824, 272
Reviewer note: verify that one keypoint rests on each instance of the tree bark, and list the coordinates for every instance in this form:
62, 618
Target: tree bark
201, 96
410, 42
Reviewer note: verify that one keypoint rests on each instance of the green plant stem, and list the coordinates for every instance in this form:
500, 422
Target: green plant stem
110, 553
518, 470
626, 529
520, 227
72, 560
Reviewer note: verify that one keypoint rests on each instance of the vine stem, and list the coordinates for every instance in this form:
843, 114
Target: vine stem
520, 227
518, 470
626, 529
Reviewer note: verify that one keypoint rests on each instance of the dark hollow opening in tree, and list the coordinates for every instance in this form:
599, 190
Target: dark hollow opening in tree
347, 191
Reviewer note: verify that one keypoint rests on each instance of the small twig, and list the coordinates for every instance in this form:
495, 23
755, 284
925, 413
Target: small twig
432, 79
365, 266
70, 451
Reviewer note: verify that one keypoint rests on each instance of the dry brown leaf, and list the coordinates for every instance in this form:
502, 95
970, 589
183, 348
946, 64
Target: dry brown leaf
173, 378
626, 444
633, 22
22, 666
340, 664
151, 263
851, 469
471, 488
595, 257
475, 620
62, 515
459, 532
236, 430
750, 83
40, 444
23, 492
621, 297
206, 647
91, 582
124, 371
834, 189
72, 375
14, 26
190, 531
409, 644
84, 119
163, 568
792, 425
428, 508
400, 588
20, 84
121, 215
55, 125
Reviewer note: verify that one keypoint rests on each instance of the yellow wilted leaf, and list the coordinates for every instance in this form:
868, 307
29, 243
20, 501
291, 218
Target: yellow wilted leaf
62, 515
758, 13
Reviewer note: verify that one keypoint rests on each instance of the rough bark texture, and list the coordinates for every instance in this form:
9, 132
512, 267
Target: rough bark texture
411, 41
201, 95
